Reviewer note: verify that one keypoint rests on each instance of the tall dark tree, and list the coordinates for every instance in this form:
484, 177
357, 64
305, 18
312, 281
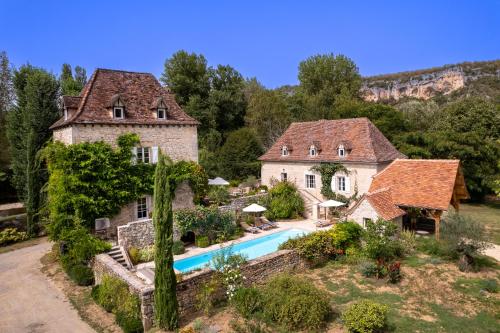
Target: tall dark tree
187, 74
238, 156
28, 130
166, 306
70, 85
6, 100
227, 99
6, 87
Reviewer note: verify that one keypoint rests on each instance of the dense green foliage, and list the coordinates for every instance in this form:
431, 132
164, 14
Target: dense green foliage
28, 131
92, 180
283, 201
365, 317
114, 296
178, 247
239, 155
206, 222
327, 171
218, 195
319, 246
70, 85
381, 243
166, 307
247, 301
11, 235
294, 303
7, 193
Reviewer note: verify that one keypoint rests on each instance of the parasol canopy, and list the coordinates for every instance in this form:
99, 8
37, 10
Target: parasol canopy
254, 208
218, 181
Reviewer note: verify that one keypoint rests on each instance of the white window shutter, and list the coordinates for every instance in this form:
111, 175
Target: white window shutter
134, 155
334, 187
347, 185
154, 154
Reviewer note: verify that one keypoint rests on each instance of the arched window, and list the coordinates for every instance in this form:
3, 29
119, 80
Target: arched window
284, 151
341, 151
313, 151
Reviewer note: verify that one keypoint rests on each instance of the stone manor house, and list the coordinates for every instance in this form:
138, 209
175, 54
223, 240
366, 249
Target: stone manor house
115, 102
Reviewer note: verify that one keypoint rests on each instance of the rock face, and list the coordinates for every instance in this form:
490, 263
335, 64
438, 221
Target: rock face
426, 84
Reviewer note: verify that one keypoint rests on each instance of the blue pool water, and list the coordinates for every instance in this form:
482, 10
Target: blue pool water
251, 249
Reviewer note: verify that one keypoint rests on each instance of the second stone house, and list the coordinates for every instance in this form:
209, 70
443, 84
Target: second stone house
115, 102
355, 143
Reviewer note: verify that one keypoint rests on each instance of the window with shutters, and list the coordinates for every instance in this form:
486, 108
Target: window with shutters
142, 208
341, 183
310, 181
143, 154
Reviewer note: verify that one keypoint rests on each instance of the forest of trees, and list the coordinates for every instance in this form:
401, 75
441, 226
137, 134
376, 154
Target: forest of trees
240, 118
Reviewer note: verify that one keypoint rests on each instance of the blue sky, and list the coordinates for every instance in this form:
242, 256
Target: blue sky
265, 39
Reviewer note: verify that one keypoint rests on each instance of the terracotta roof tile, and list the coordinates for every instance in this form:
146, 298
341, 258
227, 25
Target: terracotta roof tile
138, 91
363, 141
421, 183
383, 204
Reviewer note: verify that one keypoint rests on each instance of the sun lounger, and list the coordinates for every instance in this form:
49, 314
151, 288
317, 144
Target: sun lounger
266, 221
323, 223
248, 228
260, 225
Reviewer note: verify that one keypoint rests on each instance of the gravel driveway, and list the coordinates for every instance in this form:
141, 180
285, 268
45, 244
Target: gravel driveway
29, 301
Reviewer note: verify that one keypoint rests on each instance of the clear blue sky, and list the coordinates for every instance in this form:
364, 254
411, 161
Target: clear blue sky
265, 39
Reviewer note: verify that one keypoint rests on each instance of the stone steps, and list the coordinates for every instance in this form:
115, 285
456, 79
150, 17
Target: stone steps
117, 255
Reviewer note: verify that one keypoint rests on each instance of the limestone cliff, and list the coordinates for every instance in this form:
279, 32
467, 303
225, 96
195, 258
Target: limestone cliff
425, 84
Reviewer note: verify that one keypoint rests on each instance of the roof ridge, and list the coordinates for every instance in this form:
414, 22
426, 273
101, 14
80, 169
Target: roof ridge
370, 135
427, 160
329, 120
383, 189
121, 71
85, 96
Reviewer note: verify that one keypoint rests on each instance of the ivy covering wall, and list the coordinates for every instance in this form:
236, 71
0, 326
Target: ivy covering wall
327, 171
93, 180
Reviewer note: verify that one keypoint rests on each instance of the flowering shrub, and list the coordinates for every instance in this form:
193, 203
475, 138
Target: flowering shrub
11, 235
229, 266
394, 272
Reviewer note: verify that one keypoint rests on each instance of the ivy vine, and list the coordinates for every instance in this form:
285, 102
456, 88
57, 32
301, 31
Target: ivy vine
327, 170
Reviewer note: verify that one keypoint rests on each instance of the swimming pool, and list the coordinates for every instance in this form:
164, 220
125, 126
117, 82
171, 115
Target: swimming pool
251, 249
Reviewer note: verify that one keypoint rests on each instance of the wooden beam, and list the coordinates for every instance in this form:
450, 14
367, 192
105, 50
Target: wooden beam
436, 215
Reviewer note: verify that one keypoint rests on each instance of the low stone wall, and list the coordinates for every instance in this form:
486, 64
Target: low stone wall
138, 234
256, 271
238, 204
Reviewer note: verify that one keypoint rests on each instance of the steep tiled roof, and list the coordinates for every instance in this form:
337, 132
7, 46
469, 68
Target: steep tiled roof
422, 183
362, 140
137, 91
383, 204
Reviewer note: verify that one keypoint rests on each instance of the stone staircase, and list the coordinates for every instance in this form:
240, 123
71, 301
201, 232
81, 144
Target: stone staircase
310, 201
117, 254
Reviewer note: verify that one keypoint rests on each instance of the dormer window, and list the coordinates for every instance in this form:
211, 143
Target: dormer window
65, 114
341, 151
313, 151
161, 113
118, 112
284, 151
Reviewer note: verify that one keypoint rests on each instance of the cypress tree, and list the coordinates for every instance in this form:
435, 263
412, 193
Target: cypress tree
28, 130
166, 307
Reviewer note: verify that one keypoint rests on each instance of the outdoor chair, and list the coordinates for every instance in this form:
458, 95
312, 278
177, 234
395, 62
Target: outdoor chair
260, 225
248, 228
323, 223
270, 223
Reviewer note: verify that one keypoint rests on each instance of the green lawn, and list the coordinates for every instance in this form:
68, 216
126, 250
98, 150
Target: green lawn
487, 214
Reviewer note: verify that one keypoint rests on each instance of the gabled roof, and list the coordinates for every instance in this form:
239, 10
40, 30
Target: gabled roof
383, 204
137, 91
431, 184
363, 141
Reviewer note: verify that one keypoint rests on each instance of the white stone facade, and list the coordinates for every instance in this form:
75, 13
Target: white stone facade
358, 180
365, 210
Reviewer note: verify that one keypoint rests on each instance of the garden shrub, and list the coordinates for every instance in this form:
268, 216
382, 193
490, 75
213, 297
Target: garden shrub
202, 241
134, 255
80, 273
206, 221
218, 195
295, 303
381, 243
283, 202
178, 247
247, 301
114, 296
463, 239
365, 317
206, 297
408, 242
11, 235
394, 272
490, 285
147, 253
430, 246
368, 269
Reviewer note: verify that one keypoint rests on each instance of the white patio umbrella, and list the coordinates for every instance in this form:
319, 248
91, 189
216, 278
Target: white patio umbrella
218, 181
331, 203
254, 208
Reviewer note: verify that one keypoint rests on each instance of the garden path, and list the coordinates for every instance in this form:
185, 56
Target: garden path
30, 301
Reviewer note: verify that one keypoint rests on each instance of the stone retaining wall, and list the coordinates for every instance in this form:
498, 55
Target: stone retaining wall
138, 234
256, 271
